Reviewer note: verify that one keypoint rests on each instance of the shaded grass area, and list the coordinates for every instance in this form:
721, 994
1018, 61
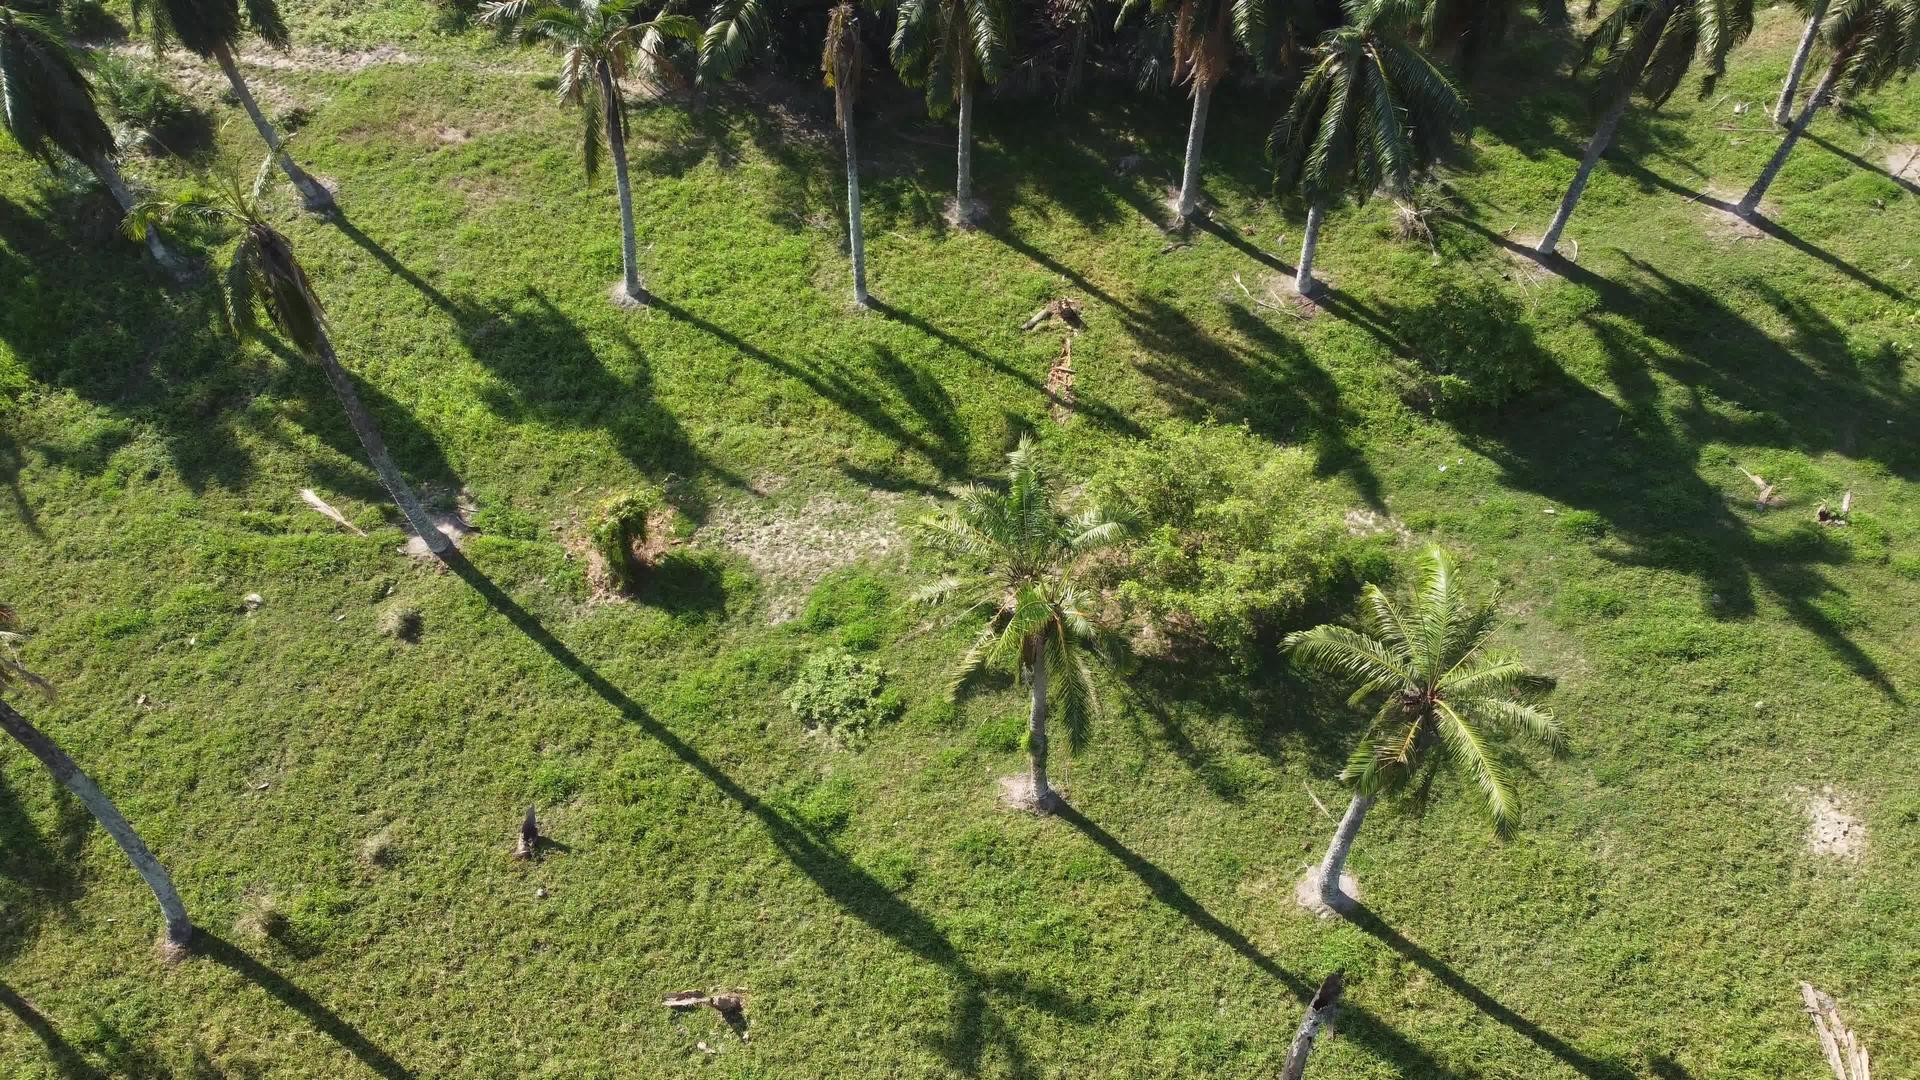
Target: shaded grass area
880, 915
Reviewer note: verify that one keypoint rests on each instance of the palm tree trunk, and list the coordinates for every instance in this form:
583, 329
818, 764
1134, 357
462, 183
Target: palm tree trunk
963, 184
1196, 131
179, 926
856, 236
1037, 724
1629, 78
1783, 109
1750, 203
376, 447
1303, 278
1336, 859
1320, 1013
617, 141
109, 175
315, 198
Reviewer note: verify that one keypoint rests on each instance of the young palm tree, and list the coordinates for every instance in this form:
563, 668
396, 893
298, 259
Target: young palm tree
1816, 11
1872, 41
14, 674
1204, 34
1021, 551
47, 104
1442, 697
842, 63
211, 29
1647, 46
598, 44
1372, 110
948, 47
264, 276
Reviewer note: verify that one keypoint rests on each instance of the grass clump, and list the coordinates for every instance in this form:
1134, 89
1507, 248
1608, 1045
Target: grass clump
402, 622
619, 529
854, 606
841, 697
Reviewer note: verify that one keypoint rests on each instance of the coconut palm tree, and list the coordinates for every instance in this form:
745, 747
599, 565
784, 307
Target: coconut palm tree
1372, 111
13, 675
1204, 35
949, 47
263, 276
598, 44
1872, 41
1783, 108
47, 104
1648, 46
211, 29
1443, 697
1019, 551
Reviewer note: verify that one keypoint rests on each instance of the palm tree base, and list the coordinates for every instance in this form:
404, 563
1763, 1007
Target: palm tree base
623, 298
1016, 793
967, 215
1307, 892
171, 948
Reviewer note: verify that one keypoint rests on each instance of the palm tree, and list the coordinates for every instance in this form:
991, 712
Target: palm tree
1648, 46
1467, 30
264, 276
14, 674
1372, 110
210, 29
948, 47
1204, 34
1020, 550
1783, 109
47, 104
1440, 691
1872, 41
598, 44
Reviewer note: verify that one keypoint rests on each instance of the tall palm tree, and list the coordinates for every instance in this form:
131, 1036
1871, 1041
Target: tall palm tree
1204, 34
1648, 46
47, 104
1019, 551
211, 29
1372, 110
1872, 41
1442, 697
264, 277
949, 47
598, 44
14, 674
1783, 108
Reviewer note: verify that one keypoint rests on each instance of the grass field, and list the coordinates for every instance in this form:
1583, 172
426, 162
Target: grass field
338, 806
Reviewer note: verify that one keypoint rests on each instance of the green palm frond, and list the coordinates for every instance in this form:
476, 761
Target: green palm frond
738, 28
1356, 658
46, 102
1474, 755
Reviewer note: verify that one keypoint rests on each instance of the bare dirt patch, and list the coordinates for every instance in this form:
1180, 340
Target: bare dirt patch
1903, 162
1369, 523
792, 547
1832, 830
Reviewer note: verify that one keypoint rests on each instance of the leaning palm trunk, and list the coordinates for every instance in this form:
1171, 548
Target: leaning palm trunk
312, 196
1629, 77
1196, 131
1336, 859
1320, 1012
103, 168
179, 926
1783, 109
376, 447
963, 183
1750, 203
1303, 278
1036, 649
856, 236
617, 142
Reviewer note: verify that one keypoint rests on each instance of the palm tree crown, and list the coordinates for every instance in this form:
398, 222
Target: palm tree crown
204, 27
1881, 37
46, 101
944, 46
1439, 689
1702, 30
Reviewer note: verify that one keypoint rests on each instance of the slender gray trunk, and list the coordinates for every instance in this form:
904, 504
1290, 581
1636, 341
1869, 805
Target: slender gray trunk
1037, 723
1303, 278
963, 184
1320, 1012
856, 236
1783, 109
617, 143
109, 175
1750, 203
179, 926
376, 447
1336, 859
1196, 132
315, 198
1648, 37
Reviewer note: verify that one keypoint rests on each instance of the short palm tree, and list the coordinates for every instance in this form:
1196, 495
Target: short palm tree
1442, 697
947, 48
1372, 111
1019, 551
1873, 41
263, 276
598, 45
211, 29
13, 675
1647, 47
47, 104
1204, 35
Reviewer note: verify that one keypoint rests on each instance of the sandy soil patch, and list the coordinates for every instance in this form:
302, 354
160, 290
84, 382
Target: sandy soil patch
1832, 829
792, 547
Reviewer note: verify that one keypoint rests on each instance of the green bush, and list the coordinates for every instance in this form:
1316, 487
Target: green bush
841, 697
1472, 343
619, 527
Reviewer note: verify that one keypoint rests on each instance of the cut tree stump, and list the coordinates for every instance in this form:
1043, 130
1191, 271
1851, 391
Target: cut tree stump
1320, 1012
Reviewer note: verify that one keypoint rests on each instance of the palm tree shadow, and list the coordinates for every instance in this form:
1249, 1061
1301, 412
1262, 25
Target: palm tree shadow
47, 865
1861, 163
66, 1060
12, 460
328, 1022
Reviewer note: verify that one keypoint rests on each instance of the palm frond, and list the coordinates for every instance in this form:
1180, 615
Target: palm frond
1479, 761
1350, 655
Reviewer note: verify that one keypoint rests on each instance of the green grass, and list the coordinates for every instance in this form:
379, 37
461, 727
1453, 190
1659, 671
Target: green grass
881, 915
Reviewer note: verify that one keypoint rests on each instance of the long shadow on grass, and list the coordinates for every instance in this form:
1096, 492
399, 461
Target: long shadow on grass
46, 865
976, 1024
1863, 164
1590, 1067
66, 1060
328, 1022
12, 460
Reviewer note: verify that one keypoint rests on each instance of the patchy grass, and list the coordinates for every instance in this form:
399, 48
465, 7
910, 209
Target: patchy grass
880, 916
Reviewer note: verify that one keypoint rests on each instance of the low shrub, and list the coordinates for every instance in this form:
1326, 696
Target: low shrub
841, 698
619, 528
139, 98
